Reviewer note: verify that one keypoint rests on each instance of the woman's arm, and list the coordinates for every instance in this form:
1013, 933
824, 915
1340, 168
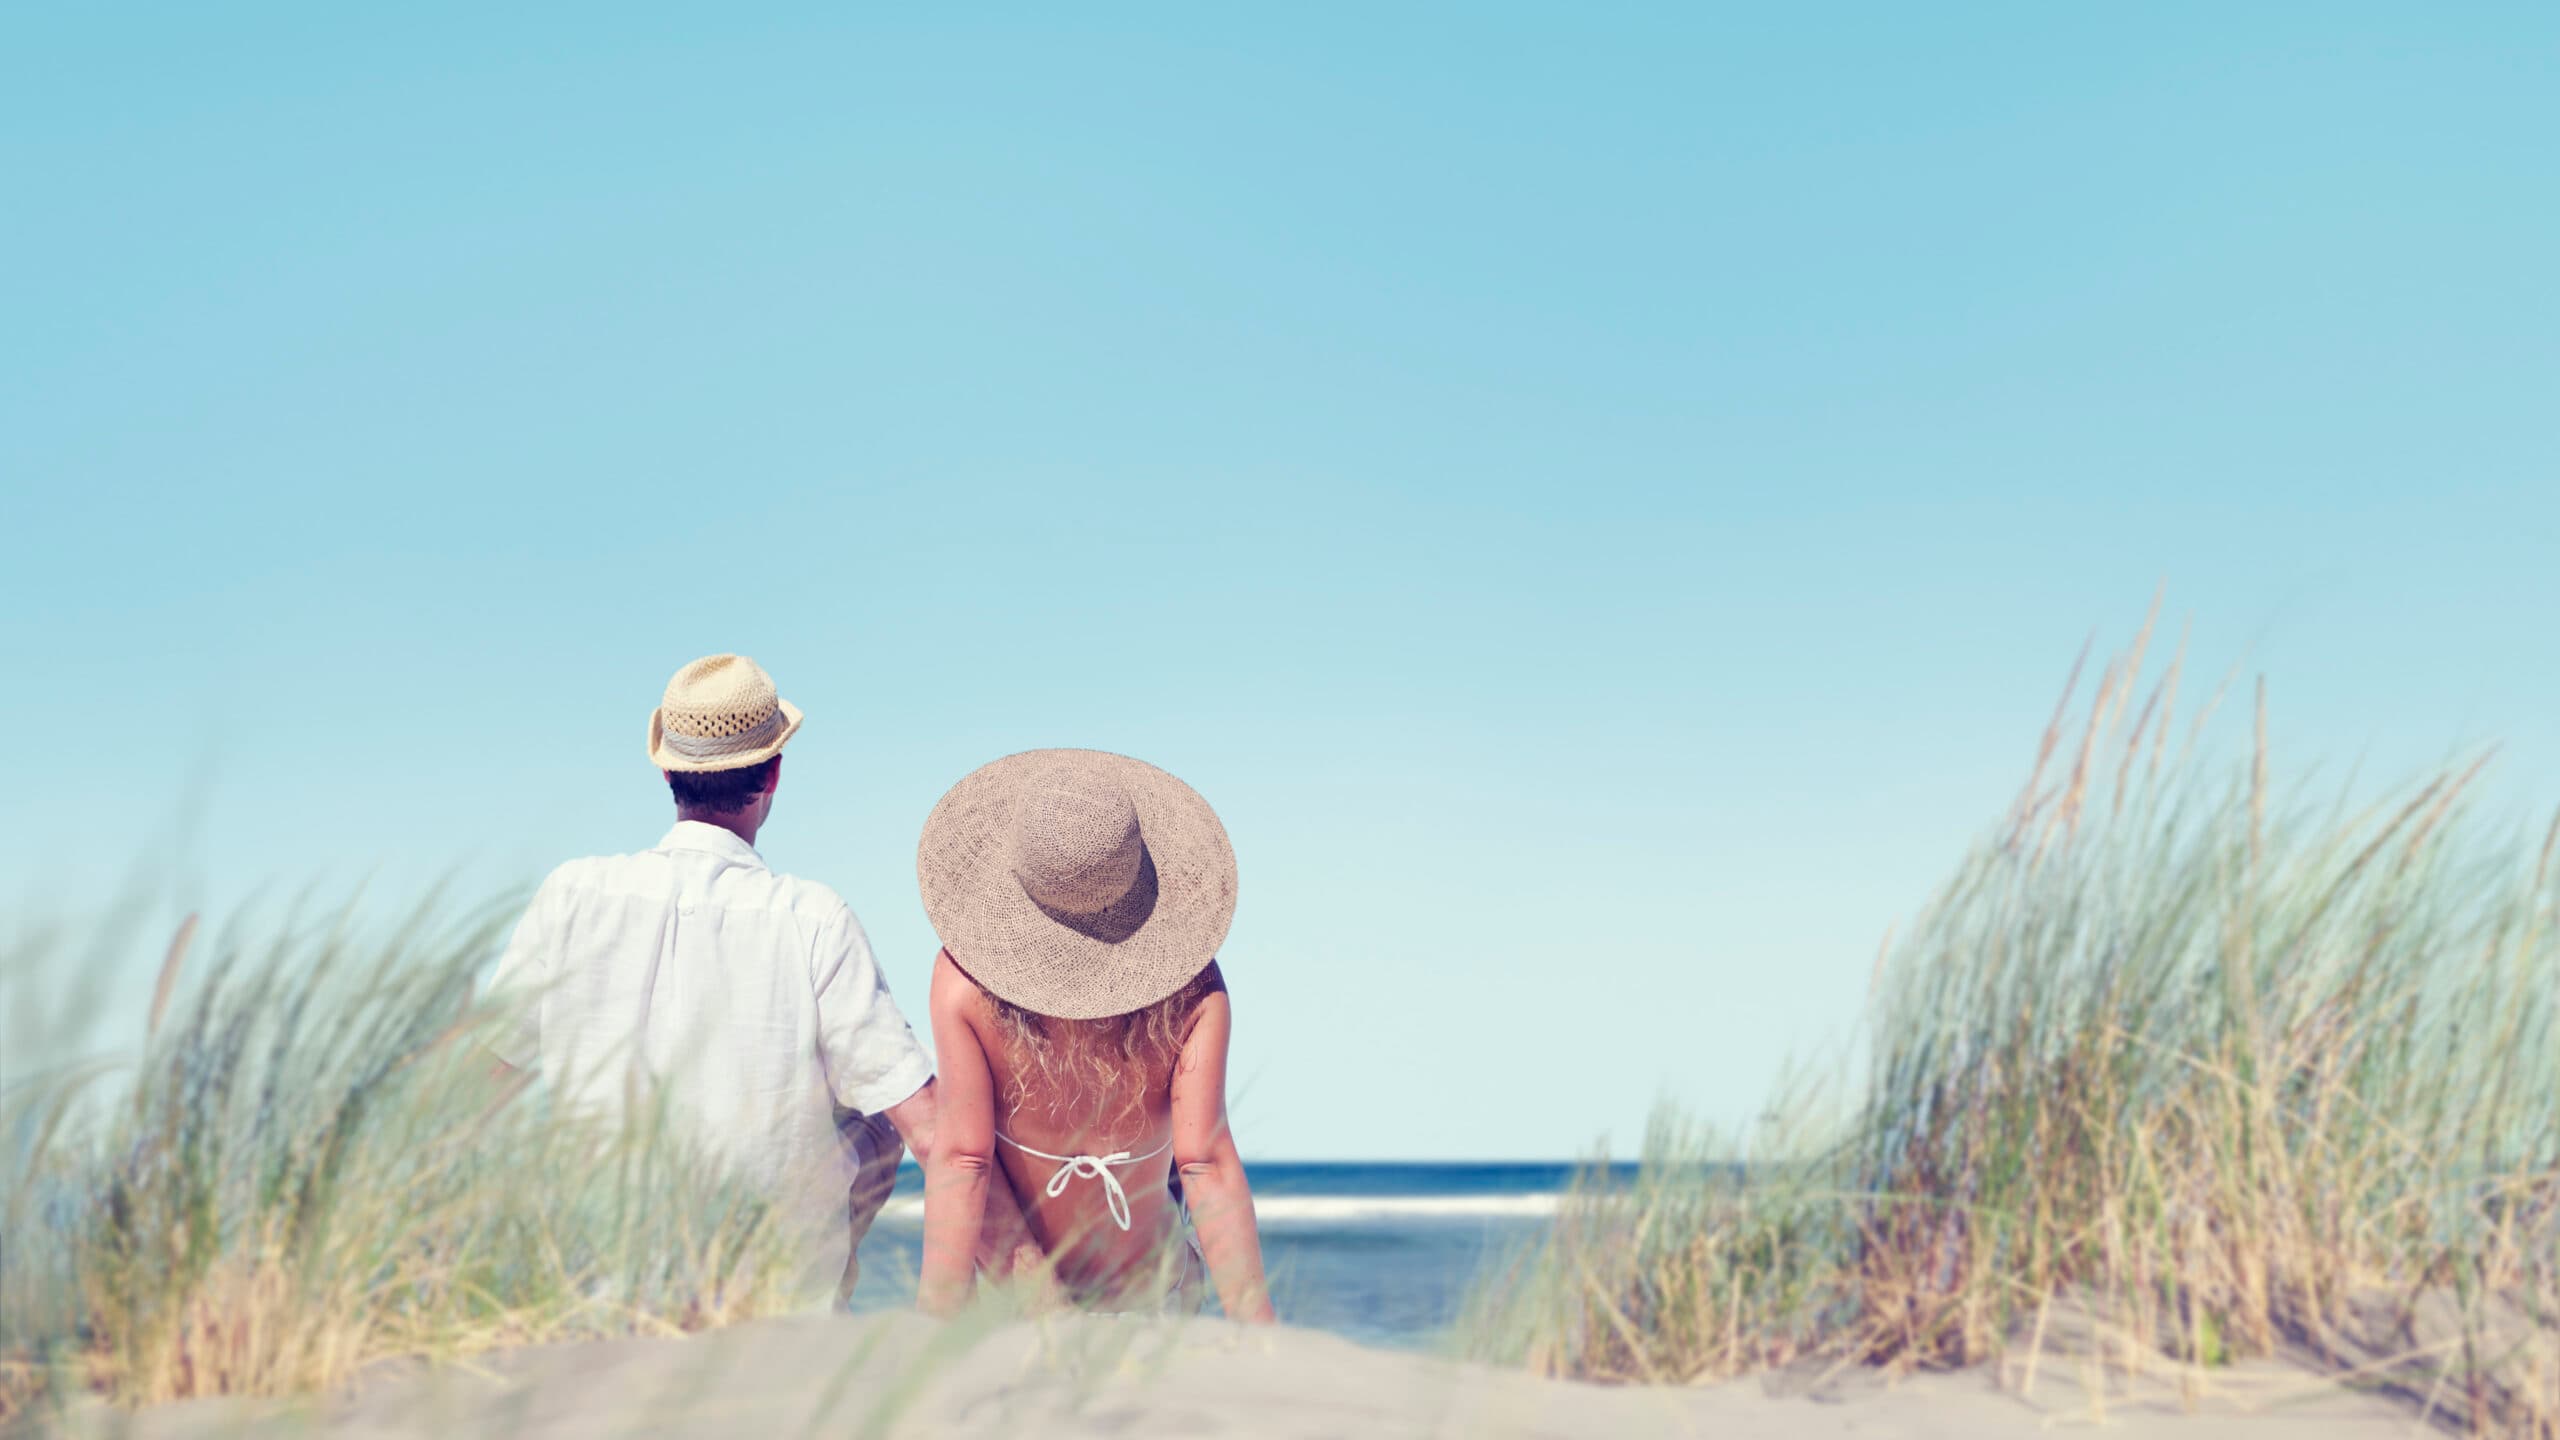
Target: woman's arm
962, 1163
1213, 1183
1005, 1247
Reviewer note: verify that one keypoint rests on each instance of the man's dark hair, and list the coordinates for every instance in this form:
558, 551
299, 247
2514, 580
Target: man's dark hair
721, 791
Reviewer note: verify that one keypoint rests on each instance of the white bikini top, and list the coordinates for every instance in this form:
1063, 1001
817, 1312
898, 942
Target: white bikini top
1073, 1167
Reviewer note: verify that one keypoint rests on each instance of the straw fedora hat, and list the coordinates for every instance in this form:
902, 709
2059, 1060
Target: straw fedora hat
1077, 883
720, 713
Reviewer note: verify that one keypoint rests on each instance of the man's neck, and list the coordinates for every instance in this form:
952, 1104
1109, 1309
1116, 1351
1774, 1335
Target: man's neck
740, 823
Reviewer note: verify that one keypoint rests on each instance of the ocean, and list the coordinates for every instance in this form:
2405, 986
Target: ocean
1385, 1253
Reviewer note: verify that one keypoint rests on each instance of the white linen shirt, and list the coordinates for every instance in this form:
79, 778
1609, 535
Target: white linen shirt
748, 1000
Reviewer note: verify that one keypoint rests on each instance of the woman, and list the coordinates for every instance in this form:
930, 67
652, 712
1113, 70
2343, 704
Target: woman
1081, 1024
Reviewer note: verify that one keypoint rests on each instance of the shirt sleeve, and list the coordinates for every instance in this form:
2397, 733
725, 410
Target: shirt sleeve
870, 1052
524, 972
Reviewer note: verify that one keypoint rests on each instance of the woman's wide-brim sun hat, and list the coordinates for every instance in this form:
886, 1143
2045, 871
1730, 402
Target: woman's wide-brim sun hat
720, 713
1077, 883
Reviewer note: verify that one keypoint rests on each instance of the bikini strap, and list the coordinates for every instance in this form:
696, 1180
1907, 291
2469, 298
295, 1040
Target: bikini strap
1096, 1167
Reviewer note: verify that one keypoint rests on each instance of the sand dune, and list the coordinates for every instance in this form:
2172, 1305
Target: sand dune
901, 1375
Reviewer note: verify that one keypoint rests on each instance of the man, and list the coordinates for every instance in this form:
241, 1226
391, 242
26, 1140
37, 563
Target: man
743, 1000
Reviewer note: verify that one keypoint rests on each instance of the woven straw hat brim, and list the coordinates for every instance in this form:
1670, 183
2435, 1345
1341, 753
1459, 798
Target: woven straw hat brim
1022, 953
665, 759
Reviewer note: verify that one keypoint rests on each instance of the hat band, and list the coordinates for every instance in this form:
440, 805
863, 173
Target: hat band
712, 747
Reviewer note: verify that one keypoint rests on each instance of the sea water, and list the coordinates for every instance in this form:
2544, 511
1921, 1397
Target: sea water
1385, 1253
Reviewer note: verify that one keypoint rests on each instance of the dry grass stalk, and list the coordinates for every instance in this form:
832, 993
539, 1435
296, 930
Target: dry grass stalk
167, 984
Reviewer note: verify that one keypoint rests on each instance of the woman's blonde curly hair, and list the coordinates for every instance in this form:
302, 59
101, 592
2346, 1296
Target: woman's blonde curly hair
1097, 1071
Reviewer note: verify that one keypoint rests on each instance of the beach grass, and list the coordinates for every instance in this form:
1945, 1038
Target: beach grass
2180, 1069
2212, 1070
313, 1165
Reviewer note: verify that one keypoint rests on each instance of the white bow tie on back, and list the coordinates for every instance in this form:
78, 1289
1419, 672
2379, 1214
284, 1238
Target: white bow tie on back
1072, 1168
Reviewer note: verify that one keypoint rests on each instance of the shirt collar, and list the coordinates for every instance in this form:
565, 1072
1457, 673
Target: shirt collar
711, 840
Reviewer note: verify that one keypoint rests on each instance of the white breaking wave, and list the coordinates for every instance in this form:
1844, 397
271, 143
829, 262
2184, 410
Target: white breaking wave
1338, 1209
1401, 1207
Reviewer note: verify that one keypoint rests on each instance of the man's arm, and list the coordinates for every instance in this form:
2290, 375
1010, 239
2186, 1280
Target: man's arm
875, 1065
524, 969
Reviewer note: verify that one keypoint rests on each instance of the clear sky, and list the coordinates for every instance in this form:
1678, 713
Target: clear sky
1600, 498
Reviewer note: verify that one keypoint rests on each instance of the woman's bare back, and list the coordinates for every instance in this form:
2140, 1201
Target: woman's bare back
1084, 1116
1151, 1086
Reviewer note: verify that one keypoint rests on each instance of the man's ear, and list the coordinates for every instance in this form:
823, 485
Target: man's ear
773, 778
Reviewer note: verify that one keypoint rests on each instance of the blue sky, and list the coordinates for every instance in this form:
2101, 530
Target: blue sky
1601, 501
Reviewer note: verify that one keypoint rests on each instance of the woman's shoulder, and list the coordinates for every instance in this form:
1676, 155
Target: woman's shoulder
1205, 995
954, 995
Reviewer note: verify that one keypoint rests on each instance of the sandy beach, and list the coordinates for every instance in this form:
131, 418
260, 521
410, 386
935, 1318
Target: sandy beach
903, 1375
